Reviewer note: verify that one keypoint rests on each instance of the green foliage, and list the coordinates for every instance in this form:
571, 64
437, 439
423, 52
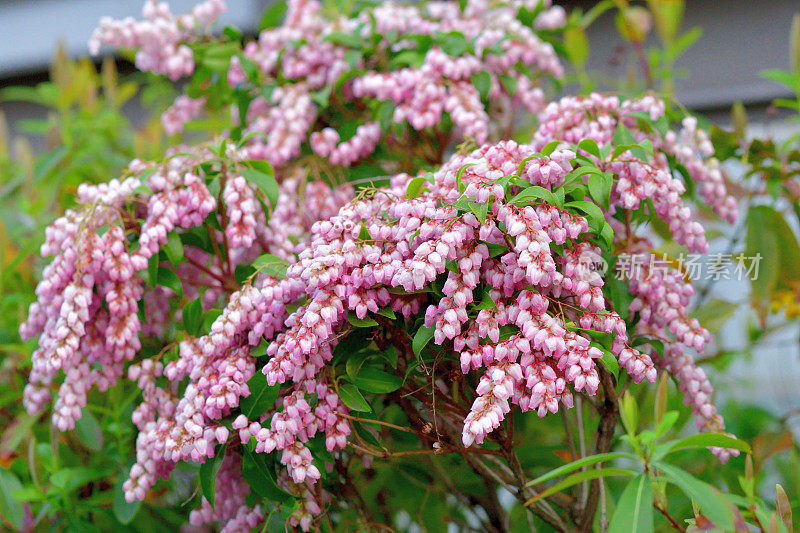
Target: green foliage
73, 482
635, 506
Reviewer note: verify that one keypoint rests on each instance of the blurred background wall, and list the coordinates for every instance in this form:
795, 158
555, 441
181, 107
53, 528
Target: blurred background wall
740, 38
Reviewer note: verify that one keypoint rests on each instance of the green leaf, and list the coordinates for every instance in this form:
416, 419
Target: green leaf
482, 81
582, 171
534, 192
209, 317
454, 44
273, 15
761, 240
234, 34
590, 146
594, 212
152, 270
192, 316
262, 397
365, 322
669, 419
354, 363
421, 338
623, 135
706, 496
682, 43
411, 58
603, 340
630, 413
480, 210
124, 511
344, 39
353, 58
11, 510
208, 474
16, 431
169, 279
271, 265
509, 83
655, 344
600, 188
577, 45
486, 303
261, 478
637, 150
634, 510
459, 176
390, 356
197, 237
607, 234
611, 364
260, 349
322, 96
28, 494
353, 399
574, 465
792, 81
704, 440
354, 342
715, 313
550, 147
367, 435
88, 431
579, 477
364, 234
262, 176
373, 380
25, 94
68, 479
789, 258
559, 194
385, 114
416, 186
388, 312
619, 293
495, 249
174, 249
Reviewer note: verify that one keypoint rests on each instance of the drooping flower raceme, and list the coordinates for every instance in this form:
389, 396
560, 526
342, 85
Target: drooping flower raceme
160, 39
442, 63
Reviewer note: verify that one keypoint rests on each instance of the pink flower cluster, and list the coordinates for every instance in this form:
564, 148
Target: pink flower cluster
662, 297
87, 313
598, 117
180, 112
242, 210
306, 55
411, 242
218, 365
230, 509
160, 39
281, 125
687, 147
326, 144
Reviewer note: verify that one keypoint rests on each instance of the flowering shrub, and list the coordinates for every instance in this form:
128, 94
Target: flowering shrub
269, 289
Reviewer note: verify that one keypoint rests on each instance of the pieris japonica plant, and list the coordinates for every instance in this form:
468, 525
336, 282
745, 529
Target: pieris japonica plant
370, 263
